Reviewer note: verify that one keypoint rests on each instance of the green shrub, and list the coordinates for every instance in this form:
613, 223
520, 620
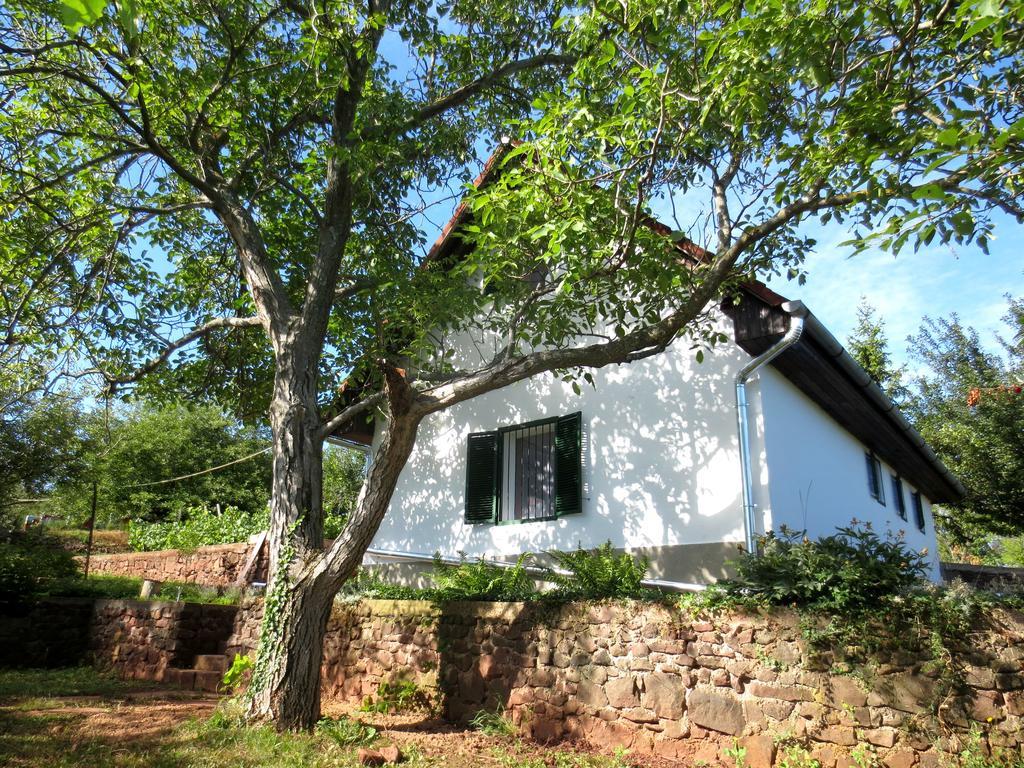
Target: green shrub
853, 570
30, 562
201, 527
480, 580
600, 573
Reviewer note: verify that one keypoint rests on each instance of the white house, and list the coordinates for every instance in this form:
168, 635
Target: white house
652, 458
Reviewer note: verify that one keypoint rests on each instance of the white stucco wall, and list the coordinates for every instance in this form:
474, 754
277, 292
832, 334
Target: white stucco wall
818, 476
661, 464
660, 461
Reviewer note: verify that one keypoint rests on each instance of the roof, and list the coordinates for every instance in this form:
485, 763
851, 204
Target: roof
817, 364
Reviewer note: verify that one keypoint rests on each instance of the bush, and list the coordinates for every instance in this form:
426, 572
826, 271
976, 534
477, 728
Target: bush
99, 586
29, 562
600, 573
851, 571
480, 580
201, 527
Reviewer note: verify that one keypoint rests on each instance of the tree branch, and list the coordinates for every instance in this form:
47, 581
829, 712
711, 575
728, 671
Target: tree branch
461, 95
174, 346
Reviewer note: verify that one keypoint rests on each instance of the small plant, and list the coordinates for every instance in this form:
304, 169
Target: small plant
737, 754
480, 580
240, 668
493, 723
973, 754
396, 696
864, 755
346, 732
600, 573
796, 756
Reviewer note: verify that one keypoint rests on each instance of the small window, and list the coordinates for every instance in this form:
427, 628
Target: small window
918, 511
898, 498
528, 472
875, 479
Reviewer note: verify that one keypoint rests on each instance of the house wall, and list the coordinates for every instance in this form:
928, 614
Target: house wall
661, 465
818, 479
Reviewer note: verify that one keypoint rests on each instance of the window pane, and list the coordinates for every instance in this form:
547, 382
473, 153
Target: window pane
529, 484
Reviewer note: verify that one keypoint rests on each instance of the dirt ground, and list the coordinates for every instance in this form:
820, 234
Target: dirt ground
165, 728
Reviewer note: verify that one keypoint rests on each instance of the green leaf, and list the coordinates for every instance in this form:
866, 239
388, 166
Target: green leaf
75, 14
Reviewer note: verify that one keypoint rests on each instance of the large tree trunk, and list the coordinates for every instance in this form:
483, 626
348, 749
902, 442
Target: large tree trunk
285, 687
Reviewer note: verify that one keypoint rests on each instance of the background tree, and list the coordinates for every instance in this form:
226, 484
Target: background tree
42, 445
969, 407
275, 157
869, 346
344, 470
131, 452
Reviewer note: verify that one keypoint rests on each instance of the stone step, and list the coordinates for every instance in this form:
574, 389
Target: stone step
193, 679
211, 662
207, 680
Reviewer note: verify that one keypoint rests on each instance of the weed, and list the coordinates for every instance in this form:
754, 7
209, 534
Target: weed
493, 723
346, 732
396, 696
241, 667
795, 756
737, 754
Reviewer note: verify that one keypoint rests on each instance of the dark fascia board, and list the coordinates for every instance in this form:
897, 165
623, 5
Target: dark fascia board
821, 368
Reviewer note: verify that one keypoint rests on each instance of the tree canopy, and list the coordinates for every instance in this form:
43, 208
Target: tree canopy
229, 199
969, 407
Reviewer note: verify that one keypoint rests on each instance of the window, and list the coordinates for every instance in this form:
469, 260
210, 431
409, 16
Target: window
918, 511
527, 472
898, 498
875, 479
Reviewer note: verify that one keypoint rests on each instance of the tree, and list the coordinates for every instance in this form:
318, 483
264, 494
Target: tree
132, 452
344, 470
277, 159
869, 346
41, 446
968, 406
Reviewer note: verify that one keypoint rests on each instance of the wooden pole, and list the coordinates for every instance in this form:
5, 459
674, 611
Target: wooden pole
92, 525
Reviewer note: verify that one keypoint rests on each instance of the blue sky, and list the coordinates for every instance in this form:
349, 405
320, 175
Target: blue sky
936, 281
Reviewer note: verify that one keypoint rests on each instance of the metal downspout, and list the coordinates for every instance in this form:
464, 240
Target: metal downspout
797, 312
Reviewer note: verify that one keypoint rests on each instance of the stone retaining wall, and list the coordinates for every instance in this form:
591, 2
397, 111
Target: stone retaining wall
650, 679
215, 566
142, 639
47, 633
640, 676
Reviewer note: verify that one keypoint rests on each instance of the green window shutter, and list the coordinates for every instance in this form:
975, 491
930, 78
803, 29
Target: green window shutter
569, 465
482, 478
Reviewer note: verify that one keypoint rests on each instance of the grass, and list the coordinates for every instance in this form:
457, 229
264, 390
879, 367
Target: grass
70, 681
157, 731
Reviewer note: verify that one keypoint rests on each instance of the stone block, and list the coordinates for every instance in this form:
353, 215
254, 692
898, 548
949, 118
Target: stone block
880, 737
212, 663
778, 691
760, 750
665, 695
623, 692
841, 690
718, 711
900, 758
